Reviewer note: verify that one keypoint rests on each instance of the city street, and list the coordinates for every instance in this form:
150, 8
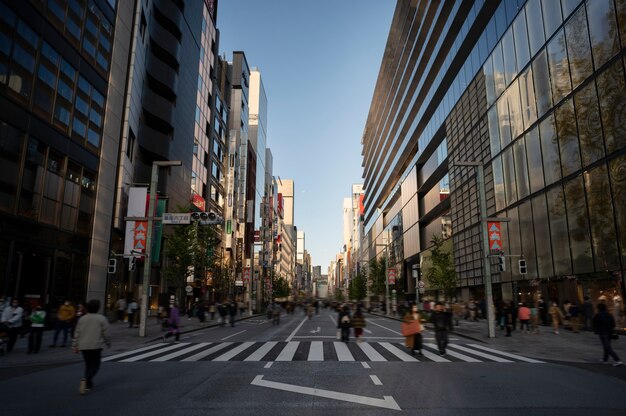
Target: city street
299, 367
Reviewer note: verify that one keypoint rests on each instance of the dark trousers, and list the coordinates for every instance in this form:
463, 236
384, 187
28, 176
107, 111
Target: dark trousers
442, 340
34, 339
131, 319
120, 315
345, 334
417, 342
232, 320
92, 364
62, 326
13, 333
606, 345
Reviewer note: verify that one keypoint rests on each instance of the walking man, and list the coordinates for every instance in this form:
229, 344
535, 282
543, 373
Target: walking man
38, 320
173, 323
442, 322
132, 308
65, 315
121, 309
90, 336
12, 316
604, 326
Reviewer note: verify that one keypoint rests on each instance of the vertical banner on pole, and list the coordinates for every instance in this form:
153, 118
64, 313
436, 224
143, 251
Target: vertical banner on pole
391, 276
495, 236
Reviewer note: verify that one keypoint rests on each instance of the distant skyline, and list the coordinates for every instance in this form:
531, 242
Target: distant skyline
319, 62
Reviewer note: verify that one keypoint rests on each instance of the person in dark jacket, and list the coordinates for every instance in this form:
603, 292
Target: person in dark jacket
344, 323
232, 311
587, 313
442, 322
604, 326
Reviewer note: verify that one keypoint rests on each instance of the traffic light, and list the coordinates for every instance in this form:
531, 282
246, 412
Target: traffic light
132, 263
522, 266
206, 218
112, 266
502, 262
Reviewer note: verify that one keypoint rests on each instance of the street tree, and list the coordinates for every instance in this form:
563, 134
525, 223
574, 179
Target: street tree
440, 273
358, 287
377, 270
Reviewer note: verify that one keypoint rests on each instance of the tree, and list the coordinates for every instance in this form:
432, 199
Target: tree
377, 270
357, 289
440, 273
280, 287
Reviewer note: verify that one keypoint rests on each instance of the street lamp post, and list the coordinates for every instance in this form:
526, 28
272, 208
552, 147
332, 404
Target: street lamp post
480, 179
143, 319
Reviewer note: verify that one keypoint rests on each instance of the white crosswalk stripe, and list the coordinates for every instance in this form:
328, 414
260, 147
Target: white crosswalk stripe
315, 351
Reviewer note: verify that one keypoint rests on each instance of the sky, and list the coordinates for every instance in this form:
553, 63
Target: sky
319, 61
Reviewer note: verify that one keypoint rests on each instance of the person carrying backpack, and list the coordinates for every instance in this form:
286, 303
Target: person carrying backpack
344, 323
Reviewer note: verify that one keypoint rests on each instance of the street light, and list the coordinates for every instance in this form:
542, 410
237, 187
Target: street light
480, 179
143, 319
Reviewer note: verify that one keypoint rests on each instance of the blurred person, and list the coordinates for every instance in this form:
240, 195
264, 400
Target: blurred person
574, 318
90, 337
173, 323
131, 310
604, 326
12, 317
37, 323
80, 311
523, 314
344, 322
121, 309
587, 313
508, 312
65, 316
557, 316
358, 323
442, 323
412, 330
232, 311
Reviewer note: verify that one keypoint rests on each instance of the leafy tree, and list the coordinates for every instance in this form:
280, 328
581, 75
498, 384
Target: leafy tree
358, 287
440, 272
377, 270
338, 295
280, 287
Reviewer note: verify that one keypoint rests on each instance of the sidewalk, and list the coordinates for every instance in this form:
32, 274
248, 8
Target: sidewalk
122, 338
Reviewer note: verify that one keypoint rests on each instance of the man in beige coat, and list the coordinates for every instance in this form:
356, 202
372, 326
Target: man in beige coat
90, 337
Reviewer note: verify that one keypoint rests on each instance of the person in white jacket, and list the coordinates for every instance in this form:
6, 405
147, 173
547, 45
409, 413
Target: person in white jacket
12, 317
90, 337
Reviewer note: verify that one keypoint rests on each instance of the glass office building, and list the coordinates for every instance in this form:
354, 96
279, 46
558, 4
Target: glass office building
535, 91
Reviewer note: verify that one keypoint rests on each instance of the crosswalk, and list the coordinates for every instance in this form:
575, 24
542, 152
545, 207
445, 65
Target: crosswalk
251, 351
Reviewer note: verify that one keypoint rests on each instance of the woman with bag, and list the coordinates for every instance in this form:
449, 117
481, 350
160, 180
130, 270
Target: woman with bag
412, 330
358, 323
557, 316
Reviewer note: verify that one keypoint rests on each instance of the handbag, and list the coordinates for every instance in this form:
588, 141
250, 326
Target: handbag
411, 328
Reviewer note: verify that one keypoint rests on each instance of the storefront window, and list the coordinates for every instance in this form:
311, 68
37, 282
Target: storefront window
578, 223
617, 174
527, 236
568, 137
542, 236
550, 150
558, 232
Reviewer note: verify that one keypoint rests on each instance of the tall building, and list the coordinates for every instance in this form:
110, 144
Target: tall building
533, 90
287, 230
63, 69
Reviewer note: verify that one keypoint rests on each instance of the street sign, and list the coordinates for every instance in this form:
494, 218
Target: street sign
176, 218
421, 284
391, 276
188, 289
495, 236
238, 282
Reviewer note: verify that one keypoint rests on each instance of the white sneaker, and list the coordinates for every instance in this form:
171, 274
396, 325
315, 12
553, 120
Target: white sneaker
82, 388
617, 364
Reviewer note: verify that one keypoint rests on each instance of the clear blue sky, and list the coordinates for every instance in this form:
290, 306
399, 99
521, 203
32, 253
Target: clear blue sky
319, 61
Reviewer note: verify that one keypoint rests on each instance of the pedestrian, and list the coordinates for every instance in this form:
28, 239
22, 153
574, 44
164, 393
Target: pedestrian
65, 315
442, 323
344, 323
80, 311
121, 309
523, 314
574, 319
604, 326
241, 306
173, 324
276, 314
543, 311
309, 310
508, 312
132, 308
28, 310
12, 317
412, 330
358, 323
201, 312
588, 313
90, 337
37, 323
534, 319
212, 311
557, 316
232, 311
223, 311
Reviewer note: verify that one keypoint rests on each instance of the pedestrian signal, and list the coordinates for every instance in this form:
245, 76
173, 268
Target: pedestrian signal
502, 262
112, 266
206, 218
132, 263
522, 266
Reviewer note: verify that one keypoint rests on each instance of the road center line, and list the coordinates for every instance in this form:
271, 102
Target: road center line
365, 365
374, 323
333, 319
296, 330
376, 380
268, 365
230, 336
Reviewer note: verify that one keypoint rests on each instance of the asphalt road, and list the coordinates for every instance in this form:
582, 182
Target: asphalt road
299, 368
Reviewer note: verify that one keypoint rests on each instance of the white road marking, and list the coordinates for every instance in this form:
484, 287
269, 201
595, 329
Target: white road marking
481, 354
208, 352
507, 354
333, 319
398, 352
315, 336
343, 353
268, 365
230, 336
316, 352
383, 337
387, 402
315, 331
288, 352
365, 365
290, 337
455, 354
376, 380
151, 353
181, 352
434, 357
367, 331
260, 353
230, 354
124, 354
371, 353
395, 332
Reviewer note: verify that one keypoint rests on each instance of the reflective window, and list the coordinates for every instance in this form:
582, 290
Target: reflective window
515, 110
603, 234
32, 179
552, 18
541, 80
27, 34
508, 168
589, 125
621, 19
534, 17
508, 51
498, 183
489, 81
527, 236
568, 137
578, 223
542, 237
51, 202
494, 130
527, 97
521, 168
603, 30
47, 77
535, 161
522, 50
504, 121
617, 167
559, 67
568, 7
550, 150
612, 95
578, 49
498, 69
558, 232
10, 157
71, 197
85, 212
